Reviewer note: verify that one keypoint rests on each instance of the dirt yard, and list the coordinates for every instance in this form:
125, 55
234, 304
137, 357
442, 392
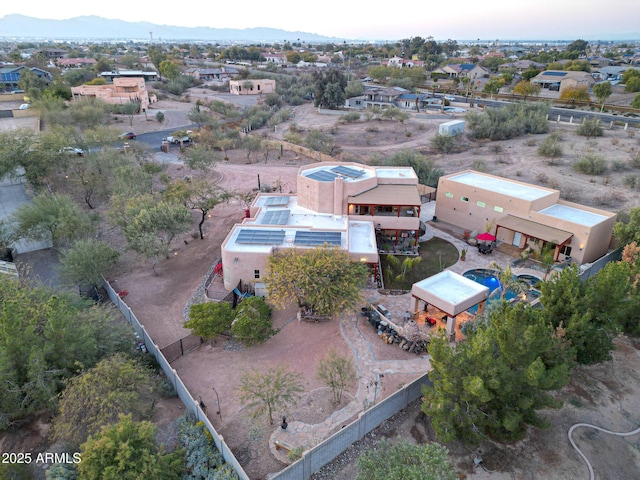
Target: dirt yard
159, 300
607, 395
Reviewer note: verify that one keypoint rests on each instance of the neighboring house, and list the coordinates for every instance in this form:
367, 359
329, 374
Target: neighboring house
121, 91
52, 53
399, 62
352, 206
522, 65
598, 62
524, 215
207, 74
10, 76
612, 74
75, 62
252, 87
147, 76
558, 80
382, 97
469, 70
275, 58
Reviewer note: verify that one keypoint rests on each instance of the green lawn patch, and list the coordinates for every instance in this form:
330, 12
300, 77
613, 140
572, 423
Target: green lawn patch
436, 254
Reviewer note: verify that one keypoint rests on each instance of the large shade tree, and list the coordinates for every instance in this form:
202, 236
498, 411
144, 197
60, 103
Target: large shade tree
494, 384
48, 337
324, 279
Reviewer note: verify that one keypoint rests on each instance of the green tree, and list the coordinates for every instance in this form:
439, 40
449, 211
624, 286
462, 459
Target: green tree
571, 95
635, 103
32, 84
319, 141
252, 322
322, 278
493, 86
579, 46
116, 385
402, 267
494, 384
127, 450
329, 88
525, 88
87, 261
265, 393
337, 372
602, 91
47, 337
51, 217
405, 460
169, 69
150, 225
210, 319
626, 232
425, 169
567, 305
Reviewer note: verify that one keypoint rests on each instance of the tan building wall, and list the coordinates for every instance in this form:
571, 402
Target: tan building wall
258, 87
484, 208
121, 91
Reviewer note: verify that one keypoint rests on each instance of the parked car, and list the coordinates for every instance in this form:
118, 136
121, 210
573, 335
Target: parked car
454, 110
72, 151
24, 106
184, 139
127, 136
451, 98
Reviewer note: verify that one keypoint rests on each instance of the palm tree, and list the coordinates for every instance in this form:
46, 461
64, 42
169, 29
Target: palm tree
407, 264
508, 281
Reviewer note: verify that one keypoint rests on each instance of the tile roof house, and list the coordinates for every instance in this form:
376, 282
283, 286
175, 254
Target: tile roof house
351, 206
459, 70
558, 80
75, 62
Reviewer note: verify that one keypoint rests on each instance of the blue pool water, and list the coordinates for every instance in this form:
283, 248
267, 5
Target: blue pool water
488, 278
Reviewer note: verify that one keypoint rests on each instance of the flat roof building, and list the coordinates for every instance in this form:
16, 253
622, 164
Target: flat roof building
347, 205
524, 215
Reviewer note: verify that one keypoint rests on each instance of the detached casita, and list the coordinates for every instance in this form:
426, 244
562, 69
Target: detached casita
524, 215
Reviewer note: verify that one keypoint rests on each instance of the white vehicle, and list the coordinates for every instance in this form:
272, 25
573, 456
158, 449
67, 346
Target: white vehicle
24, 106
451, 98
72, 151
176, 140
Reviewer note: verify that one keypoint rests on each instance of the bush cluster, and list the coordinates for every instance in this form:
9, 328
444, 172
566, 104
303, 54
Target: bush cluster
509, 122
591, 164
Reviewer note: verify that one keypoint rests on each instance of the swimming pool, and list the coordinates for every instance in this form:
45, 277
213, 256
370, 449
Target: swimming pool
488, 278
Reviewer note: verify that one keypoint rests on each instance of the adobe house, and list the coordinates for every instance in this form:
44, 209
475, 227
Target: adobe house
252, 87
524, 215
121, 91
351, 206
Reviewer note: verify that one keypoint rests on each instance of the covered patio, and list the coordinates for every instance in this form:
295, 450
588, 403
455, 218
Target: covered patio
526, 233
450, 293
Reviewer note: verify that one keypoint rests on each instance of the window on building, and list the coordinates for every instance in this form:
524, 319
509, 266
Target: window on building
481, 204
498, 209
464, 199
256, 274
448, 195
565, 250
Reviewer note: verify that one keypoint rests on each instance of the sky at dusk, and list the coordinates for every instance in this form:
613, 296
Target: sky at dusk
460, 20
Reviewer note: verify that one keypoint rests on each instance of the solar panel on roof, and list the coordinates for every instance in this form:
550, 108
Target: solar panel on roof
347, 172
555, 74
260, 237
272, 201
317, 238
276, 217
323, 176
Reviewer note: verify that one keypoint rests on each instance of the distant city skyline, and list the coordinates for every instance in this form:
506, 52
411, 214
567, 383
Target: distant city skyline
461, 20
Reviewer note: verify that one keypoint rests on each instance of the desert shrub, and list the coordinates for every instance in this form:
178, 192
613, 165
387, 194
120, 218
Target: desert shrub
591, 164
279, 117
618, 165
630, 180
590, 127
179, 85
557, 136
203, 459
443, 143
293, 137
509, 122
550, 148
531, 142
350, 117
372, 129
570, 194
610, 198
496, 148
479, 165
